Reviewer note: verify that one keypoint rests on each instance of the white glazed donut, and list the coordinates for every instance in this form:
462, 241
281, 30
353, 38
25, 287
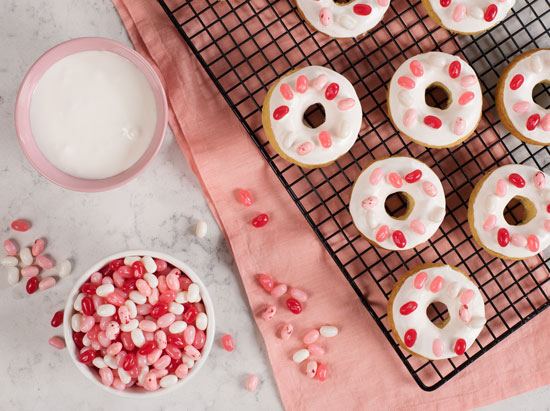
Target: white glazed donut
431, 126
520, 114
488, 201
343, 20
425, 210
468, 16
427, 284
286, 103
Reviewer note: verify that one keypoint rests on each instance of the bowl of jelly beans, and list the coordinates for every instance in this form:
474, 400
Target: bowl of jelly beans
139, 323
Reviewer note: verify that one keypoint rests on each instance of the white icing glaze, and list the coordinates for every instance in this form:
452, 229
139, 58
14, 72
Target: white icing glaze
454, 285
343, 20
534, 68
429, 210
473, 20
405, 102
290, 132
487, 199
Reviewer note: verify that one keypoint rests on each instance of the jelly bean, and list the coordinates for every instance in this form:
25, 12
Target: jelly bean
406, 82
300, 355
466, 98
468, 81
124, 376
521, 107
501, 188
516, 81
162, 362
96, 278
437, 284
395, 180
464, 314
154, 356
409, 118
532, 122
137, 337
149, 264
25, 256
77, 338
47, 282
116, 264
176, 340
20, 225
165, 320
105, 310
147, 348
201, 229
503, 237
376, 176
518, 240
192, 352
269, 312
159, 309
143, 288
150, 382
129, 361
106, 376
175, 308
64, 268
325, 16
445, 3
413, 176
252, 383
311, 336
138, 269
490, 222
177, 327
30, 271
174, 363
98, 362
190, 313
545, 122
346, 104
126, 340
87, 356
168, 381
294, 306
454, 69
332, 91
298, 294
490, 12
10, 248
200, 339
516, 180
137, 297
322, 372
304, 148
437, 347
37, 247
416, 68
460, 346
418, 227
383, 233
129, 285
44, 262
539, 180
316, 350
328, 331
57, 319
266, 282
172, 281
286, 92
56, 343
286, 331
369, 202
362, 9
86, 324
107, 280
260, 220
189, 334
185, 282
9, 261
311, 368
433, 122
228, 343
182, 371
89, 288
279, 290
12, 275
201, 322
115, 299
148, 326
325, 139
112, 330
533, 243
104, 290
399, 239
410, 337
467, 296
408, 308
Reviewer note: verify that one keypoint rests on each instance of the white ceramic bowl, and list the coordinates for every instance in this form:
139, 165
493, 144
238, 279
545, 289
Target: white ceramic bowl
91, 372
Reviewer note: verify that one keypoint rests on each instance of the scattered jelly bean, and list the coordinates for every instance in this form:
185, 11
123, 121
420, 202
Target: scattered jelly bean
383, 233
316, 350
25, 256
533, 243
454, 69
322, 372
279, 290
302, 84
32, 285
362, 9
413, 176
410, 337
57, 319
298, 294
260, 220
311, 368
37, 247
464, 314
280, 112
311, 336
490, 12
460, 346
395, 180
286, 92
399, 239
418, 227
376, 176
503, 237
246, 198
416, 68
490, 222
532, 122
266, 282
437, 347
325, 16
200, 230
332, 91
269, 312
328, 331
408, 308
10, 248
300, 355
294, 306
12, 275
346, 104
56, 343
87, 356
228, 343
516, 180
406, 82
437, 284
20, 225
433, 122
252, 382
286, 331
467, 296
201, 322
369, 202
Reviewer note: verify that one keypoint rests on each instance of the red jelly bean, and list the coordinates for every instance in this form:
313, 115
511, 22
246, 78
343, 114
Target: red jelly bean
362, 9
106, 270
516, 180
200, 339
228, 343
266, 282
168, 296
416, 68
139, 269
413, 176
175, 363
532, 122
89, 288
503, 237
129, 285
454, 69
20, 225
159, 309
322, 372
32, 285
246, 198
125, 271
433, 122
516, 81
87, 356
399, 238
445, 3
280, 112
88, 306
173, 352
294, 305
57, 319
176, 340
190, 313
460, 346
260, 220
332, 91
548, 208
490, 12
77, 338
147, 348
127, 342
410, 337
129, 361
185, 282
408, 308
116, 264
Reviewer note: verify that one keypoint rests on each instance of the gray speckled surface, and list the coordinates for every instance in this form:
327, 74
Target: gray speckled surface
86, 227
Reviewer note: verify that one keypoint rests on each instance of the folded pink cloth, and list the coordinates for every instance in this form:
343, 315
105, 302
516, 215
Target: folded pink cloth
364, 372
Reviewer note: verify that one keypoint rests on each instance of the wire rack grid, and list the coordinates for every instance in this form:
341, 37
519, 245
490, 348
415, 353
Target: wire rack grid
244, 46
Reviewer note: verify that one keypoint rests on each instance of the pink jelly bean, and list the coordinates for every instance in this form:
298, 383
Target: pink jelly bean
165, 320
103, 340
192, 352
37, 247
437, 347
502, 188
418, 227
125, 271
200, 340
460, 126
148, 325
150, 382
416, 68
168, 296
545, 123
120, 358
269, 312
149, 335
325, 139
395, 180
10, 248
286, 331
104, 322
141, 360
383, 233
86, 323
160, 339
56, 343
521, 107
160, 372
113, 329
144, 288
406, 82
467, 296
20, 225
162, 362
244, 195
325, 16
144, 309
96, 345
437, 284
459, 12
30, 271
118, 384
376, 176
547, 225
429, 188
154, 297
162, 284
298, 294
319, 82
172, 281
468, 81
311, 368
46, 283
279, 290
304, 148
316, 350
252, 383
490, 222
228, 343
311, 336
107, 280
301, 84
106, 375
161, 264
533, 243
420, 280
92, 334
154, 356
115, 298
466, 98
189, 334
123, 314
383, 3
539, 180
182, 371
114, 348
44, 262
518, 240
346, 104
173, 351
409, 118
464, 314
286, 92
96, 278
369, 202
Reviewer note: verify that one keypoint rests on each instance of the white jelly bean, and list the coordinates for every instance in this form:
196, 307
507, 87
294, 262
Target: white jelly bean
193, 293
300, 355
104, 290
9, 261
13, 275
76, 319
25, 256
181, 297
110, 361
64, 268
175, 308
201, 229
137, 337
328, 331
86, 341
178, 327
151, 279
124, 376
132, 308
78, 302
168, 380
149, 264
188, 361
131, 260
99, 363
106, 310
202, 321
138, 298
142, 373
130, 326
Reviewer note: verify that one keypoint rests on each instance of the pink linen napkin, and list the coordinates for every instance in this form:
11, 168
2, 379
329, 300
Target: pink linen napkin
364, 372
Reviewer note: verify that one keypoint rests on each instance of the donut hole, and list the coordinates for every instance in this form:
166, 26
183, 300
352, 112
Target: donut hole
399, 205
438, 96
342, 2
314, 116
438, 314
519, 211
541, 94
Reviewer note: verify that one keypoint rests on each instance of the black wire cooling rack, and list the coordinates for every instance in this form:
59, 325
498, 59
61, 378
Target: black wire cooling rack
245, 46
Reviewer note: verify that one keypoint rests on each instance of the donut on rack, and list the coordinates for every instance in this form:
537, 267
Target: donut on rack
486, 207
342, 18
285, 125
432, 126
424, 195
514, 98
427, 284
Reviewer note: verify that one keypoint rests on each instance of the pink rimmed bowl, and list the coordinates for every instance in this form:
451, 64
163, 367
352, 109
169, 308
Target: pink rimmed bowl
23, 123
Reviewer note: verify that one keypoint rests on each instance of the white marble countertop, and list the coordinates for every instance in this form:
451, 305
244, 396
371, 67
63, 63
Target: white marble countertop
87, 227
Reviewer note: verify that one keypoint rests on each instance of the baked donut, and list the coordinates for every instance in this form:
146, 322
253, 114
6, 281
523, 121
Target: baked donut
432, 126
283, 116
342, 19
425, 203
468, 16
514, 99
412, 295
488, 200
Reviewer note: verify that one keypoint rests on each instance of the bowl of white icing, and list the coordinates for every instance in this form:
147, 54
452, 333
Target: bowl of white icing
90, 114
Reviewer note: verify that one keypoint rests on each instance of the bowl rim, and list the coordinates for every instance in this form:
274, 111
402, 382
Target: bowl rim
68, 311
22, 116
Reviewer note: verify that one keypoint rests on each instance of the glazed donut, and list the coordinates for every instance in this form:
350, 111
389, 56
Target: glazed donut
431, 126
412, 295
488, 200
425, 203
344, 19
284, 108
468, 16
514, 99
